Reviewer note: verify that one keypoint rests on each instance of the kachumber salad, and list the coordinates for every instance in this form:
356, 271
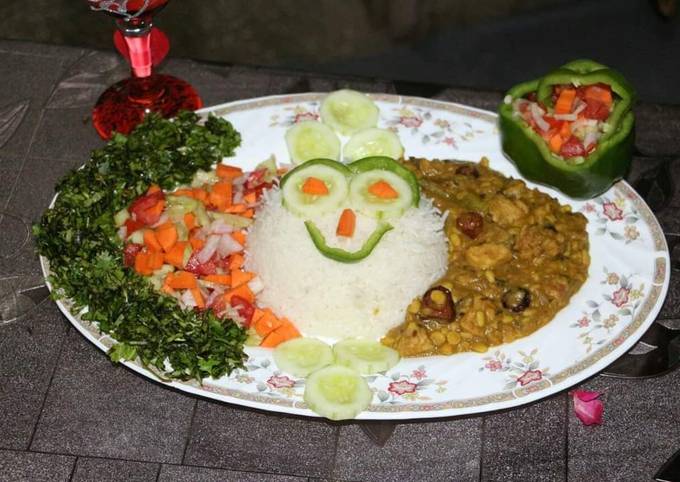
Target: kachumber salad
389, 257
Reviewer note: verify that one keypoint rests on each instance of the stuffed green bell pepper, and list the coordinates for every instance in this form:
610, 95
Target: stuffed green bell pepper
572, 129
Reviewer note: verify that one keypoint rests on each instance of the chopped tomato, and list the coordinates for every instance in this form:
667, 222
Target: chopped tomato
218, 305
196, 267
595, 110
130, 253
131, 226
244, 308
573, 147
141, 208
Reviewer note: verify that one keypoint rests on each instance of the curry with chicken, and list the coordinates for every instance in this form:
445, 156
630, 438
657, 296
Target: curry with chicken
516, 256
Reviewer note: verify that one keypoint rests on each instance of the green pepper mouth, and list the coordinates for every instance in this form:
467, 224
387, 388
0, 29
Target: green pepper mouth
341, 255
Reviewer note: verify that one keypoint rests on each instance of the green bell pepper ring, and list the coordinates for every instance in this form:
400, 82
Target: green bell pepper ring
342, 255
609, 161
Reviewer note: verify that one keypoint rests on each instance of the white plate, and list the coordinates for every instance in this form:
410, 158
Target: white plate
627, 283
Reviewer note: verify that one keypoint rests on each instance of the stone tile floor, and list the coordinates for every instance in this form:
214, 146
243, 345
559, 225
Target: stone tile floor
68, 414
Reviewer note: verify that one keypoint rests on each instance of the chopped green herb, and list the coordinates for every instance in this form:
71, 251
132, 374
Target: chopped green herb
79, 238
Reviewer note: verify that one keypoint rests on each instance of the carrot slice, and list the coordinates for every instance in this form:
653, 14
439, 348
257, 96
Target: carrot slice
166, 236
315, 187
198, 297
175, 256
142, 263
287, 330
190, 221
181, 280
155, 260
565, 130
239, 277
196, 244
151, 240
565, 101
153, 188
236, 209
248, 213
267, 323
555, 143
201, 195
346, 224
383, 190
242, 291
250, 198
220, 195
228, 172
184, 193
599, 93
273, 339
235, 261
239, 237
166, 288
222, 279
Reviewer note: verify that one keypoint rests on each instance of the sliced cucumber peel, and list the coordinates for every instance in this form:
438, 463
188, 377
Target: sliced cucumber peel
373, 142
365, 356
341, 255
348, 111
312, 140
337, 393
302, 356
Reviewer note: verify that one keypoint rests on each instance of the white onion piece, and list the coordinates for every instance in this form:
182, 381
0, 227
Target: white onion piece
216, 293
209, 249
122, 232
580, 105
565, 117
220, 227
537, 116
256, 285
238, 197
187, 299
228, 245
590, 138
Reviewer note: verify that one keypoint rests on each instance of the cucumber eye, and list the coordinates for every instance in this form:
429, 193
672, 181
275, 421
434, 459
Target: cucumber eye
380, 193
315, 187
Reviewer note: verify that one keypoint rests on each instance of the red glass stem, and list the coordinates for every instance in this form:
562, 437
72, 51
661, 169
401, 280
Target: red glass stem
139, 47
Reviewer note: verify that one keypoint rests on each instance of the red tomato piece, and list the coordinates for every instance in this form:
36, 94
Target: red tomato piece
140, 207
595, 110
131, 226
130, 253
573, 147
196, 267
244, 308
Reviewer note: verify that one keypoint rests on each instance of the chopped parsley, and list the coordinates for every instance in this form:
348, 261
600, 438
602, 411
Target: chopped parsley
79, 238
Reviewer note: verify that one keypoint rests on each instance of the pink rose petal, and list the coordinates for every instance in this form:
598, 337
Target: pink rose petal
587, 407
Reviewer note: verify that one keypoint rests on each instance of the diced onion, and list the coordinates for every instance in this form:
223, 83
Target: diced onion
256, 285
187, 299
537, 116
228, 245
209, 249
122, 232
590, 138
220, 227
162, 220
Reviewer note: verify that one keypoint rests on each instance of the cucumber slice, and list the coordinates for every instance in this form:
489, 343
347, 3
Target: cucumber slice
365, 356
137, 237
204, 177
302, 356
372, 205
120, 217
337, 393
312, 140
333, 173
388, 164
373, 142
349, 111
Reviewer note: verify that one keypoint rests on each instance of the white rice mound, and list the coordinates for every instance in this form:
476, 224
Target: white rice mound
326, 298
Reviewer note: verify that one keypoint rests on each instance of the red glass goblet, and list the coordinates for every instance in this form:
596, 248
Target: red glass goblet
123, 105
